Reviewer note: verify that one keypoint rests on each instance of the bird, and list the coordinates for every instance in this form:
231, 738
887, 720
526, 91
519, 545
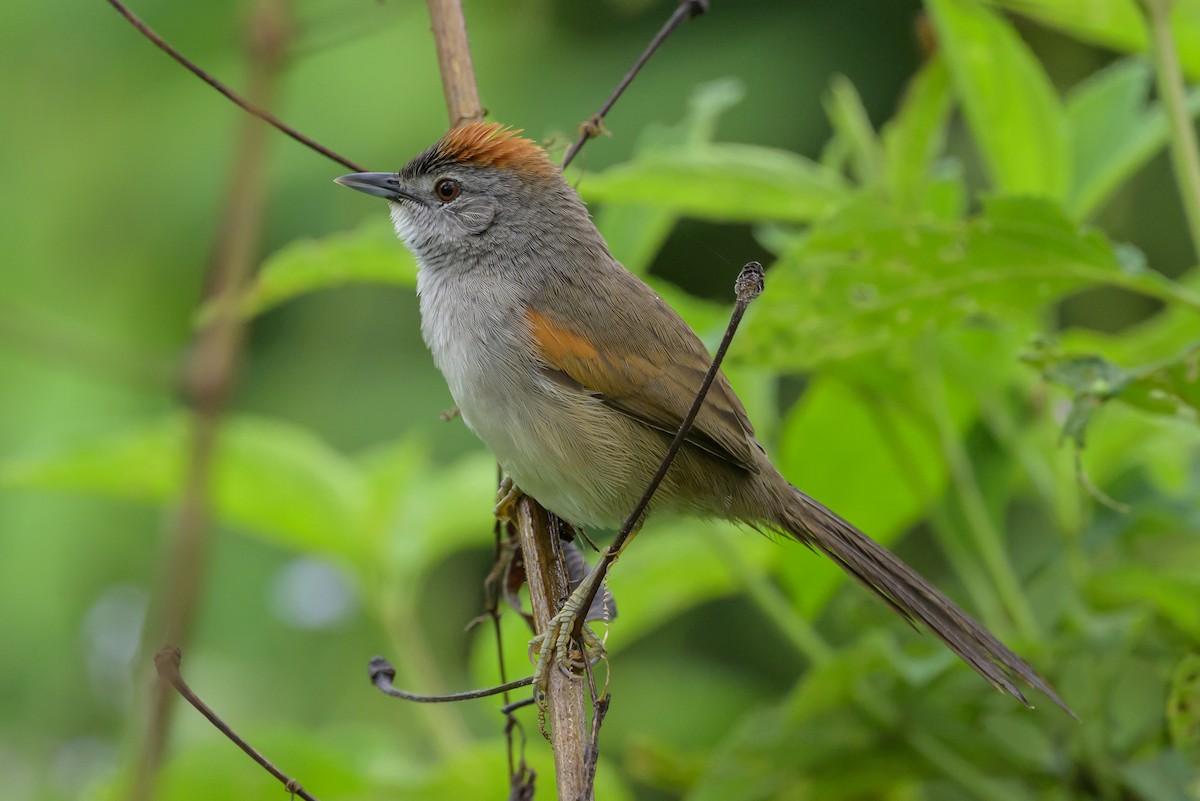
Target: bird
576, 375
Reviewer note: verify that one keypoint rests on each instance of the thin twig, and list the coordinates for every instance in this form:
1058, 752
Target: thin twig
749, 285
491, 596
166, 662
383, 674
241, 102
522, 779
208, 380
590, 129
454, 62
591, 756
508, 709
1097, 494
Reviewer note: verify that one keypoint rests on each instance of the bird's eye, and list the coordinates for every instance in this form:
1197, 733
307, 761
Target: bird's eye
447, 189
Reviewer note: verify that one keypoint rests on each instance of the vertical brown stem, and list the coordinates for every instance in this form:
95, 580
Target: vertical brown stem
454, 62
208, 380
549, 586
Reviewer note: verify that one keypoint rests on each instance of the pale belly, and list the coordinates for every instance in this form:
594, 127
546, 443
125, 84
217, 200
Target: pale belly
566, 450
562, 447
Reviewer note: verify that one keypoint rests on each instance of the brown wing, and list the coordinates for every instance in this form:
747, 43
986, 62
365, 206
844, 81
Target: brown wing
654, 381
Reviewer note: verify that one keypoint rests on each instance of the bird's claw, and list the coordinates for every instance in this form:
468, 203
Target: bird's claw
507, 496
556, 648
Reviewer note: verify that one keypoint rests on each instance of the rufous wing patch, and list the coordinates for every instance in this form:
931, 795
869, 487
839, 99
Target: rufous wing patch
558, 345
637, 387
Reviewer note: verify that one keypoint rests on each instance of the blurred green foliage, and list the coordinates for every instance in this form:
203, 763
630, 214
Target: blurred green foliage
955, 350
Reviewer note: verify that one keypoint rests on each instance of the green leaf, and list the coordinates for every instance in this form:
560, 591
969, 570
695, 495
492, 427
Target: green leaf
277, 481
728, 182
852, 125
370, 254
1113, 23
1114, 131
1009, 102
868, 279
914, 137
1117, 24
635, 234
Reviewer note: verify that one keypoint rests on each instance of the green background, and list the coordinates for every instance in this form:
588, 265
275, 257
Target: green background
942, 256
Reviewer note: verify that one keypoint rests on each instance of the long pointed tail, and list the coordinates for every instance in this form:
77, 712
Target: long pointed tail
911, 595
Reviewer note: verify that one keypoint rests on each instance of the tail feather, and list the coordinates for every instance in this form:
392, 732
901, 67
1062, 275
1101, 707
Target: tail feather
912, 596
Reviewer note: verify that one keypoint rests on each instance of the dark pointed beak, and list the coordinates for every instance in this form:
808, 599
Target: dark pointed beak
380, 184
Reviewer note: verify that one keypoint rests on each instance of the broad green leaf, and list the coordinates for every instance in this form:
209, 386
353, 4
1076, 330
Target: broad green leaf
852, 126
1011, 106
635, 234
1113, 23
729, 182
277, 481
914, 137
869, 279
1114, 131
370, 253
1117, 24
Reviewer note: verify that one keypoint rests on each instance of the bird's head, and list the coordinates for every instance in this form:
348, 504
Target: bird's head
480, 187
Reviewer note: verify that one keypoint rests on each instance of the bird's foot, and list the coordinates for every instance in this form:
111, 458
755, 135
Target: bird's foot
556, 648
507, 496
